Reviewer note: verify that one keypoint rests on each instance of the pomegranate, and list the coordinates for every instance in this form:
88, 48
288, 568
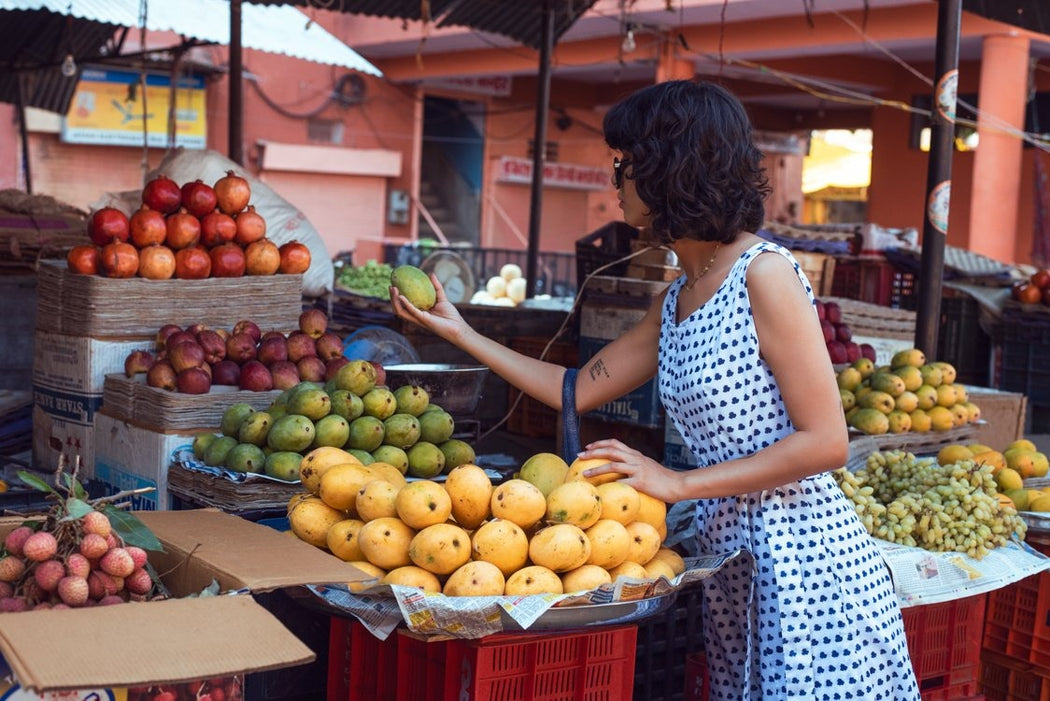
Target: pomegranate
198, 198
183, 229
262, 257
232, 192
147, 227
162, 194
217, 228
295, 258
192, 263
83, 259
156, 262
108, 224
227, 260
119, 259
250, 226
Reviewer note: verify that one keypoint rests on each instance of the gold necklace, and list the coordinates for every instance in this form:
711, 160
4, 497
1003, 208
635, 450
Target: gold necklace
689, 283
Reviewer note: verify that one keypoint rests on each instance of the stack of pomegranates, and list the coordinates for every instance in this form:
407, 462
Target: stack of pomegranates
193, 359
1034, 290
190, 232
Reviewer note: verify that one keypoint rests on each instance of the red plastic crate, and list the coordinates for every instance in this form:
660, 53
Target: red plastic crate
541, 667
875, 280
944, 641
697, 679
421, 668
360, 666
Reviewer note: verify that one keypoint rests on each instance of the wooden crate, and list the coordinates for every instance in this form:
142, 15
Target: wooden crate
819, 269
96, 306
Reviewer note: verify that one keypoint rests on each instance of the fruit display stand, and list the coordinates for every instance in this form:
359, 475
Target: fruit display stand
86, 325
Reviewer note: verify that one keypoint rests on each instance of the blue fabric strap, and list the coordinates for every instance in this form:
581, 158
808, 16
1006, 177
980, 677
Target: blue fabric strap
570, 421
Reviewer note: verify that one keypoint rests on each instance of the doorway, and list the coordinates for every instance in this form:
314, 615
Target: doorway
451, 170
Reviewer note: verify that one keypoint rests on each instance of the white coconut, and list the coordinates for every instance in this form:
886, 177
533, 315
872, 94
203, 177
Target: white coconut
504, 302
496, 286
482, 297
516, 289
510, 272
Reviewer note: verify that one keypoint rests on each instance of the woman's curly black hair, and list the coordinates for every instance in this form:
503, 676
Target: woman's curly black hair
692, 160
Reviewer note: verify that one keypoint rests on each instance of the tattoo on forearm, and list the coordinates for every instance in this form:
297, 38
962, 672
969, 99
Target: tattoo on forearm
598, 368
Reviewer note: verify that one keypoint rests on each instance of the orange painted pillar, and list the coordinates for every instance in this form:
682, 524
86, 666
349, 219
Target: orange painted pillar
997, 162
669, 65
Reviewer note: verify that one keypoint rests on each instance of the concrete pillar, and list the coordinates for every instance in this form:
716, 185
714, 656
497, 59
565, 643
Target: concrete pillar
669, 65
997, 163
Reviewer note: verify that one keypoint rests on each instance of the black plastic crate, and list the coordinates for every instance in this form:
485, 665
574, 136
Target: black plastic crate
1022, 345
962, 342
664, 643
601, 247
304, 682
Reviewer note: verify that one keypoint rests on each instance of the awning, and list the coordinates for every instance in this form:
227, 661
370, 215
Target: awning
279, 29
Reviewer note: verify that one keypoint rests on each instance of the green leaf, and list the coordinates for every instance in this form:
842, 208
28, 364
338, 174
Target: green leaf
36, 483
75, 487
75, 508
131, 529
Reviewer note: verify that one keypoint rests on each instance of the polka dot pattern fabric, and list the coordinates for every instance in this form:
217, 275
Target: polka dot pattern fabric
812, 613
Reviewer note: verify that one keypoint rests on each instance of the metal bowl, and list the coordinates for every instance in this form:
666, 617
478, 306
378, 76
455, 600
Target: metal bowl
455, 388
586, 615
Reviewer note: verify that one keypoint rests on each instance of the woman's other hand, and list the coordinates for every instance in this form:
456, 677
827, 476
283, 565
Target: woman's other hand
642, 473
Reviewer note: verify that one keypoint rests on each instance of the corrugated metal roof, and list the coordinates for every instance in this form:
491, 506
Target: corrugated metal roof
278, 29
518, 19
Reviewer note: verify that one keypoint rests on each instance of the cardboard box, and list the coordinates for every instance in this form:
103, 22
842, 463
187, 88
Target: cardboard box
677, 455
55, 437
77, 366
1003, 415
640, 406
129, 456
68, 377
181, 639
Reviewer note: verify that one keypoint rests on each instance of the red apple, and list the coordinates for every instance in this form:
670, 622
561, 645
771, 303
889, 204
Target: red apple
240, 348
248, 327
213, 344
833, 312
300, 346
285, 374
837, 352
226, 372
1041, 278
272, 349
255, 377
138, 362
828, 329
329, 346
332, 366
161, 375
852, 351
819, 305
194, 380
843, 333
312, 369
867, 351
186, 355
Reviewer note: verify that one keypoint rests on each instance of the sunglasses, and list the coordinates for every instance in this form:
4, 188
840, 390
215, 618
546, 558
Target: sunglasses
619, 165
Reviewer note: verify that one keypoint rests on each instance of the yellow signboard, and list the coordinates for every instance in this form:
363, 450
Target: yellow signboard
107, 109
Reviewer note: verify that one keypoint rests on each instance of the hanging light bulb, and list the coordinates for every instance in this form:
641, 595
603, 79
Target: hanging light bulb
628, 44
69, 66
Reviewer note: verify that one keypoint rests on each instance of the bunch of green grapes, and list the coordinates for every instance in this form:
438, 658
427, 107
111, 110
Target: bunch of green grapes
918, 503
369, 280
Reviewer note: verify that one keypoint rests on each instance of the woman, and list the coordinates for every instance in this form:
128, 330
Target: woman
745, 376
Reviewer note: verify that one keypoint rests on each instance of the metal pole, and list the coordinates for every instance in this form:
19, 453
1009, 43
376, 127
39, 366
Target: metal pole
539, 150
236, 111
939, 176
23, 134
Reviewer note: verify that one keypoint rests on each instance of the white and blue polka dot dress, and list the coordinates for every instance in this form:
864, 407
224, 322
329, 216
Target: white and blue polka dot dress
814, 615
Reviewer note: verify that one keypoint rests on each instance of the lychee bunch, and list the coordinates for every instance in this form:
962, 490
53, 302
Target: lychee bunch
70, 563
